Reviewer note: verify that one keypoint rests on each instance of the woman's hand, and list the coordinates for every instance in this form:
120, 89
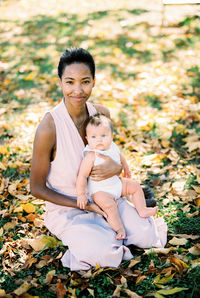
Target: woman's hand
105, 170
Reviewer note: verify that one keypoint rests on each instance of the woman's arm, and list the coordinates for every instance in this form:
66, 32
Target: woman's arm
81, 182
45, 140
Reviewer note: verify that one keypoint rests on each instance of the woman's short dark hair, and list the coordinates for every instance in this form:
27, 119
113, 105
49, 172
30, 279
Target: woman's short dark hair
76, 55
98, 119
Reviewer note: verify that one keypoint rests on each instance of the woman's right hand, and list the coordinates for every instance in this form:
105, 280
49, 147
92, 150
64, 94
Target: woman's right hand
92, 207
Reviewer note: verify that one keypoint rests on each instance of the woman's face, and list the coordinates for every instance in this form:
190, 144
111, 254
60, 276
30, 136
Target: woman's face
77, 83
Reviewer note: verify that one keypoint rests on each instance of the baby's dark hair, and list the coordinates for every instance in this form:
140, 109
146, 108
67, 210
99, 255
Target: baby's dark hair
76, 55
98, 119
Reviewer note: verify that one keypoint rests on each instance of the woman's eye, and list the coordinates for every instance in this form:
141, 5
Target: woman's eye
69, 82
86, 82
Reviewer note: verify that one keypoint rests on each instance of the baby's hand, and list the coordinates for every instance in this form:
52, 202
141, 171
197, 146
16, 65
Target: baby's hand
82, 201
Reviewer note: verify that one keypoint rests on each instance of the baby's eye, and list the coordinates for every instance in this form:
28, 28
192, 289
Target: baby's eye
93, 137
104, 135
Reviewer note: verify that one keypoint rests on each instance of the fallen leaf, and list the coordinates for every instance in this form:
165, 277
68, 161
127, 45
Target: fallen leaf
195, 250
171, 291
28, 208
133, 262
140, 279
22, 289
179, 264
178, 241
49, 276
10, 225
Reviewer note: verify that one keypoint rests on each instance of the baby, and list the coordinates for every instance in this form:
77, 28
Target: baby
99, 134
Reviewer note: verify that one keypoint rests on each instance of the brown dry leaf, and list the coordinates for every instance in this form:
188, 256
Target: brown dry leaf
12, 188
10, 225
31, 217
135, 261
49, 276
117, 291
131, 294
1, 231
193, 237
38, 223
163, 251
140, 279
30, 260
179, 264
178, 241
192, 214
123, 281
26, 295
2, 185
195, 250
196, 188
2, 166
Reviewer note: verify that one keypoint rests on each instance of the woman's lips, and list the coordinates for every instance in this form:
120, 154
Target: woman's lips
78, 98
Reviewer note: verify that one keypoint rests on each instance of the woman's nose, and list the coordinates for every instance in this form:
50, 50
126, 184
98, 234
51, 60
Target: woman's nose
78, 88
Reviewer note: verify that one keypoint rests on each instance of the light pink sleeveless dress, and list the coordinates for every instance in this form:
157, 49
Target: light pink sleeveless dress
89, 237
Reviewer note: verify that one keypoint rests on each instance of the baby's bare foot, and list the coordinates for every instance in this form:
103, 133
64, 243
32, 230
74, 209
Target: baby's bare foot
121, 234
147, 212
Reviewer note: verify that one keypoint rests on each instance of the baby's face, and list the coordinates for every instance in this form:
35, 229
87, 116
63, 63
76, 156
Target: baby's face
99, 137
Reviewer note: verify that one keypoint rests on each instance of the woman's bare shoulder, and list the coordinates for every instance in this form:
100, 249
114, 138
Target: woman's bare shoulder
102, 109
46, 129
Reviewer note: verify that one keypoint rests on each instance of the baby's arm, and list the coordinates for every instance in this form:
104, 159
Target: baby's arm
84, 172
125, 166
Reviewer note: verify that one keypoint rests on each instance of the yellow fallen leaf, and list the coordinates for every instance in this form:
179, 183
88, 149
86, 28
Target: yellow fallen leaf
18, 209
178, 241
26, 295
22, 289
197, 201
196, 188
2, 166
29, 208
163, 280
171, 291
43, 242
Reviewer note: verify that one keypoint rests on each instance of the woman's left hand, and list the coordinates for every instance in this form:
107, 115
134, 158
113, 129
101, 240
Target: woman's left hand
105, 170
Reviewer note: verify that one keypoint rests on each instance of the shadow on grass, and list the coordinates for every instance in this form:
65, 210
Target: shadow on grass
33, 50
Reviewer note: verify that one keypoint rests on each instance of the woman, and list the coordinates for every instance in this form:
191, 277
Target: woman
58, 145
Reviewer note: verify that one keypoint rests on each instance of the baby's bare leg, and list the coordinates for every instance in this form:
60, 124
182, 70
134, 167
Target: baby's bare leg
109, 205
133, 188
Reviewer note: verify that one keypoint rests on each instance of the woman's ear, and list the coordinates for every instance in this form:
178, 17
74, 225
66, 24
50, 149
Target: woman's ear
94, 82
60, 82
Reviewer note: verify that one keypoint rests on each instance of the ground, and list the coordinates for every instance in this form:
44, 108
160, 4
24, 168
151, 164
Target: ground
148, 76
